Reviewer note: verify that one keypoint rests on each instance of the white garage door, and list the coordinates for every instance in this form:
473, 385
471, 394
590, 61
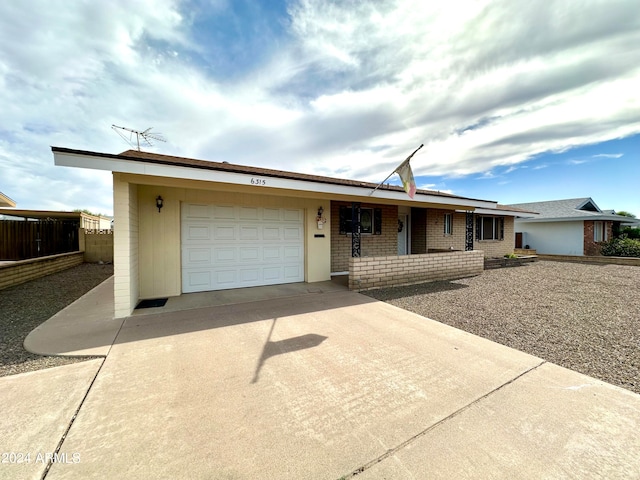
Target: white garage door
231, 247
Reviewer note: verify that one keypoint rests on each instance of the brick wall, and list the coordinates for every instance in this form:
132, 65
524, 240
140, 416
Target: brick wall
592, 248
388, 271
497, 248
436, 238
23, 271
371, 245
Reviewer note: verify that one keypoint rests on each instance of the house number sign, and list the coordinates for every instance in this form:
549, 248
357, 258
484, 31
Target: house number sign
258, 181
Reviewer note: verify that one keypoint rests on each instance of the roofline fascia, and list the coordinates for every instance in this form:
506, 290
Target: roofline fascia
504, 213
140, 166
596, 218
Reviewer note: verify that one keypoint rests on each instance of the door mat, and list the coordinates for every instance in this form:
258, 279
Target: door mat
156, 302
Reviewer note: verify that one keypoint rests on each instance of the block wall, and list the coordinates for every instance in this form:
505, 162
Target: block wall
98, 246
371, 245
390, 271
23, 271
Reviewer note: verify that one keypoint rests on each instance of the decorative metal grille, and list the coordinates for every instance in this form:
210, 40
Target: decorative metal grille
355, 230
468, 244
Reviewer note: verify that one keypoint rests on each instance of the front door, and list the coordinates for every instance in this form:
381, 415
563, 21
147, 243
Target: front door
403, 227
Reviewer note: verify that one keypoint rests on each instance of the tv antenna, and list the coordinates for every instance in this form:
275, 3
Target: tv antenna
146, 136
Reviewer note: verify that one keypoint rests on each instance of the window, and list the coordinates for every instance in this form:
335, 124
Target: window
599, 232
448, 224
370, 220
490, 228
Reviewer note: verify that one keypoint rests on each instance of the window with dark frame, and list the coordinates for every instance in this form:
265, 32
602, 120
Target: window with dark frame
490, 228
448, 224
599, 232
370, 220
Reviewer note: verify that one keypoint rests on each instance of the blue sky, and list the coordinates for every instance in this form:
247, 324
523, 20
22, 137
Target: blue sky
514, 101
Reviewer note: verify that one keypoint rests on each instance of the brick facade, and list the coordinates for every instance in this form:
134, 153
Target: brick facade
380, 272
427, 235
497, 248
437, 239
371, 245
591, 247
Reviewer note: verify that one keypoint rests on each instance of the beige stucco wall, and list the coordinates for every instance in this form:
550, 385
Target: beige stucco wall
160, 251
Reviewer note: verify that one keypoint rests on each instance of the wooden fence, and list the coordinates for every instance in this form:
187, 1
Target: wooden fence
21, 240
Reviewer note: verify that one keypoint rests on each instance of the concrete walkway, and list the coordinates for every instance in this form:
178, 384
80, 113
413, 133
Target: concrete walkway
332, 384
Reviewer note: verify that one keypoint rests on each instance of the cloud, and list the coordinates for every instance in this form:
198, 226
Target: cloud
347, 90
609, 155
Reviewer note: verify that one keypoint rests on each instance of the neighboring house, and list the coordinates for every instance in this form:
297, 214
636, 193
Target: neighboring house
575, 226
186, 225
6, 201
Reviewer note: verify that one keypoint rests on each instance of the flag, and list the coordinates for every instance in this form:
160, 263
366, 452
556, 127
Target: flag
409, 184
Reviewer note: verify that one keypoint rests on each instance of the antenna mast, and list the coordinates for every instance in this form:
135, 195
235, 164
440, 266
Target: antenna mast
146, 135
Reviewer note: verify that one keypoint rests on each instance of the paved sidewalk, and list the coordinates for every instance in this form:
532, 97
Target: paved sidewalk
329, 384
37, 408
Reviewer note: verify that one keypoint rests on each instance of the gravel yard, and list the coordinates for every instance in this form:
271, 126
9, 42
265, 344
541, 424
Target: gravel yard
24, 307
582, 317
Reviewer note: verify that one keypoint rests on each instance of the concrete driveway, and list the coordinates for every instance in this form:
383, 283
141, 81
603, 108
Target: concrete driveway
332, 385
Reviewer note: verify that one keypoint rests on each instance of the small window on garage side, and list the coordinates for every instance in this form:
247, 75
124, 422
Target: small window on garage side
370, 221
448, 224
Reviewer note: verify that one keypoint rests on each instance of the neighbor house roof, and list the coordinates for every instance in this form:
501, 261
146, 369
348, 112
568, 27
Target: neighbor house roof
6, 201
145, 163
568, 210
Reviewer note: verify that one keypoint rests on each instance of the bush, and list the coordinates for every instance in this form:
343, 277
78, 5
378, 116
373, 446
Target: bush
631, 232
621, 247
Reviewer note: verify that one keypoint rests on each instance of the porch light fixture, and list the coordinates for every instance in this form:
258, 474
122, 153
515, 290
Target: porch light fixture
159, 203
320, 212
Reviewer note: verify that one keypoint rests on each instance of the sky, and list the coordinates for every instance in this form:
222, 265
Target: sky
514, 100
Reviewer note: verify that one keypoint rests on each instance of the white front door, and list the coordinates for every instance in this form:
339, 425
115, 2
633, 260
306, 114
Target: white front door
403, 227
228, 246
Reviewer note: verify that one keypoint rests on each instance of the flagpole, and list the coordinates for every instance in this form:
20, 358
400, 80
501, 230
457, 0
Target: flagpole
397, 168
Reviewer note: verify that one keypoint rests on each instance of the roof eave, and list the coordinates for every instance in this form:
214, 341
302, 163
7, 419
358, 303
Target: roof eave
139, 166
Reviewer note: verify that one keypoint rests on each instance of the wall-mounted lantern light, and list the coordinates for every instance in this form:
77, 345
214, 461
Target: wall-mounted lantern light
320, 219
159, 203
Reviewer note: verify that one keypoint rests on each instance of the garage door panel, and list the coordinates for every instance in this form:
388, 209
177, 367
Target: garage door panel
240, 246
225, 254
249, 233
249, 276
198, 233
196, 211
292, 234
271, 214
222, 233
291, 272
196, 280
249, 213
249, 254
292, 253
198, 256
271, 233
224, 212
290, 215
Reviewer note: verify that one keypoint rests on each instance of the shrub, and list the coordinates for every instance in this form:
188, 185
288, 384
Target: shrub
631, 232
621, 247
